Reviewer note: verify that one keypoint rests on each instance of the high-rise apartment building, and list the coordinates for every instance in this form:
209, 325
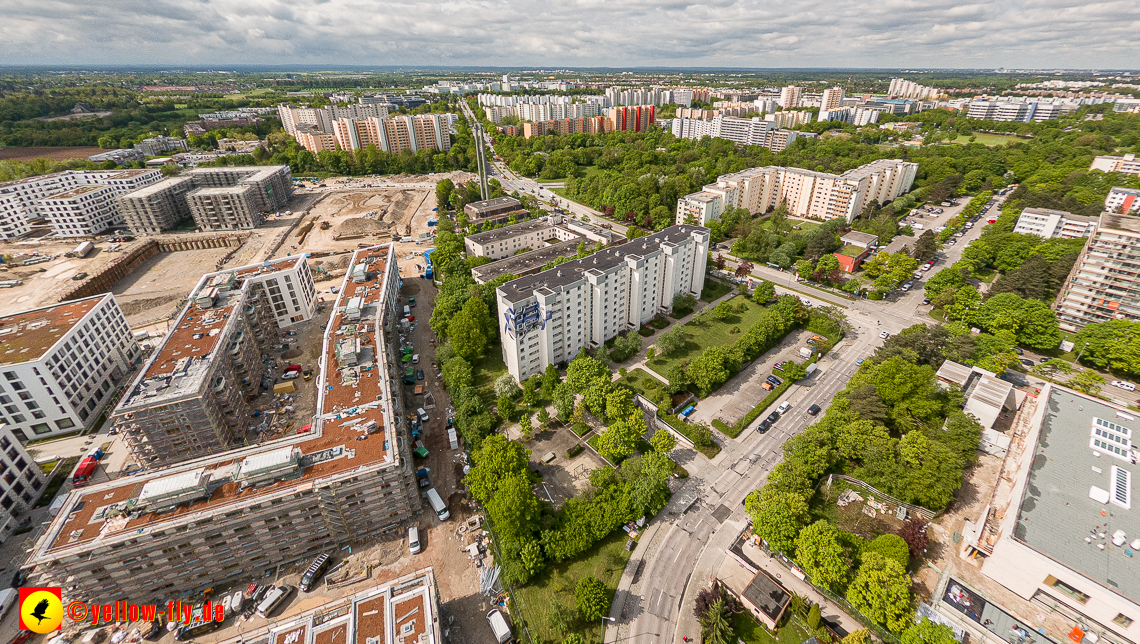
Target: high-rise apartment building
1049, 224
396, 134
805, 193
548, 317
189, 400
903, 88
586, 125
790, 118
157, 145
322, 118
637, 118
21, 483
753, 131
1128, 164
222, 520
1122, 200
61, 364
224, 198
1105, 283
313, 139
22, 200
832, 99
1019, 109
790, 96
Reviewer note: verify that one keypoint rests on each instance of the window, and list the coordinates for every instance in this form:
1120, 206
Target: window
65, 423
41, 428
1066, 589
1122, 620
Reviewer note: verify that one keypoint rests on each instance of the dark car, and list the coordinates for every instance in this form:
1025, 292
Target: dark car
1027, 362
774, 380
419, 374
764, 426
1043, 360
1019, 351
813, 410
780, 365
926, 300
773, 417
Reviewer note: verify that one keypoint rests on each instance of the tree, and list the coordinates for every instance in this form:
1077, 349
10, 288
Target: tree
584, 370
927, 632
671, 341
723, 311
506, 407
861, 636
765, 292
564, 401
1087, 381
708, 370
467, 330
618, 441
558, 621
881, 590
913, 532
826, 265
543, 420
925, 246
794, 371
744, 269
966, 301
891, 546
505, 386
814, 617
663, 441
777, 516
495, 460
715, 627
819, 552
592, 599
720, 261
525, 426
574, 638
457, 373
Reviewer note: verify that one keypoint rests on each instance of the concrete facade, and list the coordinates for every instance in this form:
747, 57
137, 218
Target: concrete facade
1104, 283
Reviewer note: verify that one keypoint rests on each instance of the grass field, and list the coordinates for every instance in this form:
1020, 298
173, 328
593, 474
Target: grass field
555, 585
749, 632
712, 333
988, 139
714, 289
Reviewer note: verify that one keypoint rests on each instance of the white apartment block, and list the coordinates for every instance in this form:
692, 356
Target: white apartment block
548, 317
788, 118
510, 240
1020, 110
790, 96
753, 131
858, 116
1122, 200
903, 88
1128, 164
832, 99
323, 117
61, 364
805, 193
21, 482
1105, 284
1049, 224
20, 200
82, 212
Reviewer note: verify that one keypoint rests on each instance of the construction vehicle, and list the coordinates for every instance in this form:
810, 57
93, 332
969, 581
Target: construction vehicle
325, 225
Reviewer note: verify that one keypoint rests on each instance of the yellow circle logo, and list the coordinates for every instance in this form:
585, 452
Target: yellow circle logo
42, 612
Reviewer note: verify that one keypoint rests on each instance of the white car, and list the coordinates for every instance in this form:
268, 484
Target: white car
784, 407
1126, 386
806, 302
884, 335
925, 267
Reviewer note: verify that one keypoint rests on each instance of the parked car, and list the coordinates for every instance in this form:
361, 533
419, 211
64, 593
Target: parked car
884, 335
1027, 362
1019, 351
774, 380
780, 365
773, 417
1127, 386
784, 407
1042, 360
764, 426
813, 410
419, 374
926, 300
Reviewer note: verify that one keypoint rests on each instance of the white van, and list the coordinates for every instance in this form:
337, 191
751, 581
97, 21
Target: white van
438, 505
499, 626
422, 414
8, 598
407, 310
1126, 386
414, 540
415, 358
273, 599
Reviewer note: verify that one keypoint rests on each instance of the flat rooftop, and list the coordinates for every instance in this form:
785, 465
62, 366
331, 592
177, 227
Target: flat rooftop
1125, 223
329, 445
522, 263
160, 186
404, 610
479, 207
27, 336
75, 192
573, 270
510, 232
1057, 515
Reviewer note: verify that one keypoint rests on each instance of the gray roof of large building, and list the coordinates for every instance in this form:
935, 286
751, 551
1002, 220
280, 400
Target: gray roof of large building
570, 272
1057, 517
524, 262
1128, 223
507, 232
492, 204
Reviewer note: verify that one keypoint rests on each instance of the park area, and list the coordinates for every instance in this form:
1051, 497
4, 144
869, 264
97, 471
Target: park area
709, 332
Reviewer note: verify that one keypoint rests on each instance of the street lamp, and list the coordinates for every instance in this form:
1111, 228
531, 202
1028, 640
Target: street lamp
603, 622
1082, 352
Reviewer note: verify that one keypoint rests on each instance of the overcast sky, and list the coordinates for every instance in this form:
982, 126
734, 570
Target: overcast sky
566, 33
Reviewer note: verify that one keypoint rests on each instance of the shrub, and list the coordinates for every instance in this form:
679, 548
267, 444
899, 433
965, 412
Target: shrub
574, 451
891, 546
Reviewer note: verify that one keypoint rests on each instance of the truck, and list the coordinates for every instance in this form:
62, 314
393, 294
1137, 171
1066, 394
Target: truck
805, 352
811, 368
84, 471
82, 250
422, 476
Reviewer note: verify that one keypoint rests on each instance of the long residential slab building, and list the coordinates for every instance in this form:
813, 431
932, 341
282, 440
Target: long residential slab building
189, 400
233, 516
548, 317
75, 203
805, 193
1105, 283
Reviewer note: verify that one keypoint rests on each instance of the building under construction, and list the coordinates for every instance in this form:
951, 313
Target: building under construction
231, 517
226, 198
189, 400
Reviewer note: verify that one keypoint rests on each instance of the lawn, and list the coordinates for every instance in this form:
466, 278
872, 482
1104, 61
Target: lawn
605, 561
747, 630
714, 289
62, 470
642, 382
988, 139
485, 370
711, 333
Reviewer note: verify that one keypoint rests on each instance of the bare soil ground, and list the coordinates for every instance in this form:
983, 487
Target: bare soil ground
54, 153
45, 282
157, 288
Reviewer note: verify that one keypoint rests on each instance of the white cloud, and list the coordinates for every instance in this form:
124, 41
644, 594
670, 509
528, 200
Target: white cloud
731, 33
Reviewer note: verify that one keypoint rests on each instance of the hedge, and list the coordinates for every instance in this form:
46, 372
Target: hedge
574, 451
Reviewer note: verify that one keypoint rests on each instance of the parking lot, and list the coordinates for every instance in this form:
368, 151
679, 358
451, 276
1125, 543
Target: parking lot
745, 390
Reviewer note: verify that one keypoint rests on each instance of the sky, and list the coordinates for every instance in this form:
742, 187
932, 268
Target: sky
1038, 34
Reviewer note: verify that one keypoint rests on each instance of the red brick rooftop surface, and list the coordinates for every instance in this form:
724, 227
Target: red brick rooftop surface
368, 452
38, 330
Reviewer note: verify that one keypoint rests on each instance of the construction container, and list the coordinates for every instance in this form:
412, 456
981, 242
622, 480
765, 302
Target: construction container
286, 387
